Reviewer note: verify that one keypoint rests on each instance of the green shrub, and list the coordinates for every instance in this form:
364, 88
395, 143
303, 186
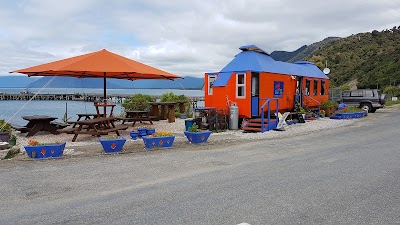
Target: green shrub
392, 91
5, 127
138, 102
345, 88
329, 104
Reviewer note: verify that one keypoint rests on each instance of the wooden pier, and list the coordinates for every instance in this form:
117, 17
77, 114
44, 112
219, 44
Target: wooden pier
117, 98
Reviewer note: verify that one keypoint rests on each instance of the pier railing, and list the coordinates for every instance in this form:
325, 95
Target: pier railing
118, 98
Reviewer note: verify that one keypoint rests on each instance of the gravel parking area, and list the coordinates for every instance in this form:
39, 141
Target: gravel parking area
87, 145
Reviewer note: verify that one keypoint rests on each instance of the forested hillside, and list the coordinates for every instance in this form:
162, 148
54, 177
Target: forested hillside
370, 59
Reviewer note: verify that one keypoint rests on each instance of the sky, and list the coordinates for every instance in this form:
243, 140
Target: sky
183, 37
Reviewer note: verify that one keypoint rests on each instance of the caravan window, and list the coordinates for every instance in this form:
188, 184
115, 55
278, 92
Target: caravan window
211, 79
322, 87
307, 92
315, 87
241, 85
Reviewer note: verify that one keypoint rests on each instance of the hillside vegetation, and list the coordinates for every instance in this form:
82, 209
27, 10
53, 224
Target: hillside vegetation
371, 59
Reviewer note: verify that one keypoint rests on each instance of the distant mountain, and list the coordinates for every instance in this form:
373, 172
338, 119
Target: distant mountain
71, 82
312, 48
185, 83
364, 60
302, 52
16, 81
285, 56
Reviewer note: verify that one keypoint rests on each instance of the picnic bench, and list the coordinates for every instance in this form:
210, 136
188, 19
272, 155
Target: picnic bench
137, 116
37, 123
97, 126
167, 110
85, 116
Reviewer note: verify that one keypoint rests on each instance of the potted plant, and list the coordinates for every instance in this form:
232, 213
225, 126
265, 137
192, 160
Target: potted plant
159, 140
322, 113
112, 144
196, 135
142, 131
134, 135
150, 131
303, 112
37, 150
329, 107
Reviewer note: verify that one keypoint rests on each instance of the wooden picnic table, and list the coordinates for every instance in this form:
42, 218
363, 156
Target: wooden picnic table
167, 109
105, 105
137, 115
85, 116
97, 126
38, 123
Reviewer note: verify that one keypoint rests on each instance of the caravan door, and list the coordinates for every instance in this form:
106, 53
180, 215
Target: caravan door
255, 92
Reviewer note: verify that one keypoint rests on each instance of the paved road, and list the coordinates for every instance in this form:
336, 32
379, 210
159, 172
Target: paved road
346, 175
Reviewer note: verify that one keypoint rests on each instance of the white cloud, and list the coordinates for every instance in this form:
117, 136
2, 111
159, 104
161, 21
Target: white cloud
181, 37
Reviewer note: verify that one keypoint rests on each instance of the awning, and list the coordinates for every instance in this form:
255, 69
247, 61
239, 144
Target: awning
222, 79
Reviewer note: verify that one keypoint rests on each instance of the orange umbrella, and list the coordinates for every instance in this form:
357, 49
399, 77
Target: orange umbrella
101, 64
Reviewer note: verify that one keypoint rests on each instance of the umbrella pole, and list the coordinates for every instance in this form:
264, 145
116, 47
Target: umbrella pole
105, 88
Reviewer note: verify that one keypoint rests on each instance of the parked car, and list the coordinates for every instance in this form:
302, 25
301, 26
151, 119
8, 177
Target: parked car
367, 99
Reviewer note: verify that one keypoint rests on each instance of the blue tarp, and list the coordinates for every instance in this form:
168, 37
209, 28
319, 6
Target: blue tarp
256, 60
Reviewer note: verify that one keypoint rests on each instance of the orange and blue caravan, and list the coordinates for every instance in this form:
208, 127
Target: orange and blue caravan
253, 79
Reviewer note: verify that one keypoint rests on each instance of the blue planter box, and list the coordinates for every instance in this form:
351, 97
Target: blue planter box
197, 137
359, 114
113, 145
158, 142
45, 151
341, 116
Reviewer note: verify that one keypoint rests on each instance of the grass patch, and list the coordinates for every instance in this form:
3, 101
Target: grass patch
390, 102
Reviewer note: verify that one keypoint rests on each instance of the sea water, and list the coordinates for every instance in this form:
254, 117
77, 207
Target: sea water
194, 93
12, 111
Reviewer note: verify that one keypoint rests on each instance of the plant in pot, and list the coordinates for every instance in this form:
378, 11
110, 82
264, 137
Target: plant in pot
150, 131
322, 113
302, 112
134, 135
196, 135
142, 130
329, 107
163, 139
112, 144
38, 150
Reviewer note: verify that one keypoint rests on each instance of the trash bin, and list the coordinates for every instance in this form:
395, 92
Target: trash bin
188, 124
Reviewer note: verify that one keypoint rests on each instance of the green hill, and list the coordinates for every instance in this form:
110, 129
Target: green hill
369, 59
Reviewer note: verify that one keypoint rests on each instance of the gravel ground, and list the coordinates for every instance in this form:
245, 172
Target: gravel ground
86, 145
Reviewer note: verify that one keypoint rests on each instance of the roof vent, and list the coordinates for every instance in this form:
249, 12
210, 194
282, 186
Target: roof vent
253, 48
